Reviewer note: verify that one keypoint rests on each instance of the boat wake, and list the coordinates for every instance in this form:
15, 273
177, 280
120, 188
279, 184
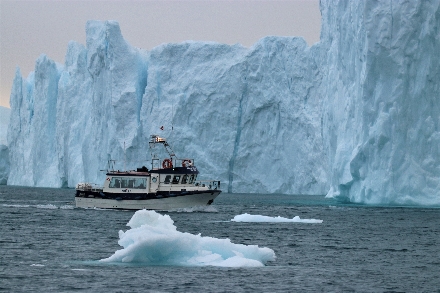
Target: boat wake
40, 206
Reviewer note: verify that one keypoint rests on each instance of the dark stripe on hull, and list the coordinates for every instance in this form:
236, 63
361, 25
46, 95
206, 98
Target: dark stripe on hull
140, 196
166, 202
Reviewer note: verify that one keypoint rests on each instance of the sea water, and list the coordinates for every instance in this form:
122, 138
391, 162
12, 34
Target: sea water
47, 245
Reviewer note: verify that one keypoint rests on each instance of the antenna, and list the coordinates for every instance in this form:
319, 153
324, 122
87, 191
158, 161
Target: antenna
110, 166
171, 135
125, 153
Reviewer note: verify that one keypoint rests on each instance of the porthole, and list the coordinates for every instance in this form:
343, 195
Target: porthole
154, 179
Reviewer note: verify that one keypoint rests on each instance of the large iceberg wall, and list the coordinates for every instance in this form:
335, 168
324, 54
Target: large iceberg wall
31, 134
382, 91
4, 164
355, 116
63, 124
5, 114
249, 116
4, 151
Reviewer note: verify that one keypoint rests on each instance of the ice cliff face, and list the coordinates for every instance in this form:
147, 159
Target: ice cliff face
5, 114
248, 116
355, 116
381, 87
4, 164
4, 151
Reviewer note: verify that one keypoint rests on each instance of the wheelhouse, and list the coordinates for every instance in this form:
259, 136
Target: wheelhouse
169, 174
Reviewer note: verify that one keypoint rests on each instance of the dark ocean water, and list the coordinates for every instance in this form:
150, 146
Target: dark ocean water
48, 246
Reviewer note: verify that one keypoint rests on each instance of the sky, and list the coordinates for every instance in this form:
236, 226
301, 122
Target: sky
31, 28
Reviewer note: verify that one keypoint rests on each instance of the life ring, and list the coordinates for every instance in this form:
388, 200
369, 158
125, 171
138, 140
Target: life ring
167, 164
186, 163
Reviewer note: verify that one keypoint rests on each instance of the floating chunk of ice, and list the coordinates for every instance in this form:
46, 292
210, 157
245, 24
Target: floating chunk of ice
266, 219
154, 240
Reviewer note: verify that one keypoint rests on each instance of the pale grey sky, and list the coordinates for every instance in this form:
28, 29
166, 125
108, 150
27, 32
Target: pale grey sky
30, 28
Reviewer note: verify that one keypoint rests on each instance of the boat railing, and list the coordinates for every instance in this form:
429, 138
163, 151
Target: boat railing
158, 163
184, 162
88, 187
211, 184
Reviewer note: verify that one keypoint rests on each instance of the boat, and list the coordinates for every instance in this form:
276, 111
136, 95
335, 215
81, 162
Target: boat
170, 184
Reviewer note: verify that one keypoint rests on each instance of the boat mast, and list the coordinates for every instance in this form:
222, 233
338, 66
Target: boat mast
154, 139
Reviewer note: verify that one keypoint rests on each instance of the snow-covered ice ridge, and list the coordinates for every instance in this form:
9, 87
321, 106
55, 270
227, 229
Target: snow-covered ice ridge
355, 116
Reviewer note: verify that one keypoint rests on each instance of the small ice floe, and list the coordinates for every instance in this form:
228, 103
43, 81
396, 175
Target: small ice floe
266, 219
154, 240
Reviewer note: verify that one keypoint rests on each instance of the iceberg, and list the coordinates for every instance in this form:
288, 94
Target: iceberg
4, 164
153, 239
4, 150
249, 115
381, 92
355, 116
5, 114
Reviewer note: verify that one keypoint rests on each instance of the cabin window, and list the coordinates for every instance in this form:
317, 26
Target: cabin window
192, 179
139, 183
167, 179
176, 179
126, 182
185, 179
115, 182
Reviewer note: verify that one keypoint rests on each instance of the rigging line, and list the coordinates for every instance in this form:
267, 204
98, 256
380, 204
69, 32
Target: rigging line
125, 153
172, 120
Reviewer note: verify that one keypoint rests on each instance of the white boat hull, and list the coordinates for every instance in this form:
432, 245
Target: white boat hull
164, 204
